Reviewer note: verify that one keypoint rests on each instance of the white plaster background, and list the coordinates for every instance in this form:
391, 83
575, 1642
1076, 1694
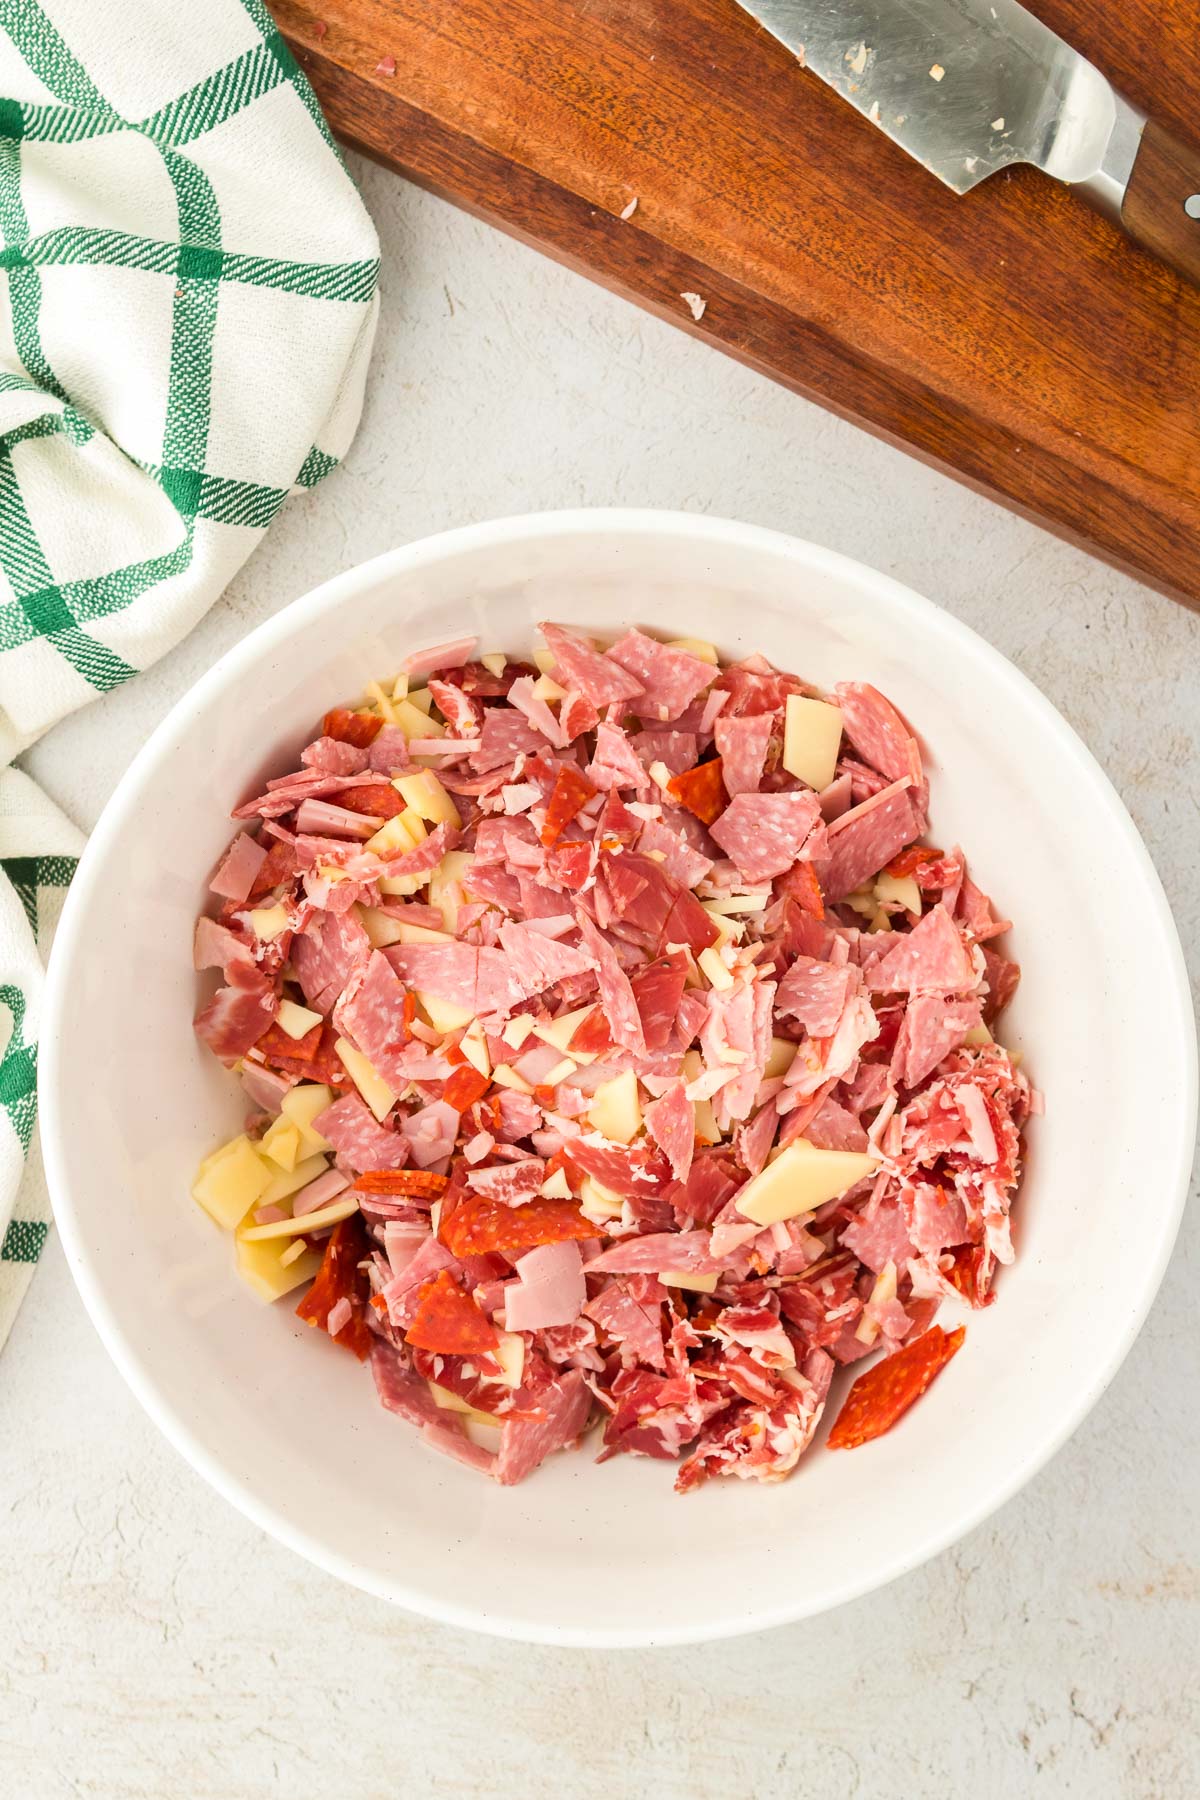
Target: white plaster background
156, 1646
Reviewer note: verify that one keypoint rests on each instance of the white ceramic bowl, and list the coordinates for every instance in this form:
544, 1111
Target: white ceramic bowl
290, 1430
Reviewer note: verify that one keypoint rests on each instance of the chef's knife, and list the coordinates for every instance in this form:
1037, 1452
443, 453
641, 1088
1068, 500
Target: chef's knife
971, 86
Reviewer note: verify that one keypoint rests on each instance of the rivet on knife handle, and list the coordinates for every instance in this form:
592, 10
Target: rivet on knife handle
968, 87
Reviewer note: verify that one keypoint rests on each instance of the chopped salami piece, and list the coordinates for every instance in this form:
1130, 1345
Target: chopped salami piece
765, 834
880, 1237
448, 1321
685, 1251
701, 790
931, 958
878, 732
359, 728
742, 745
596, 676
865, 839
571, 791
511, 1183
614, 761
681, 860
885, 1392
505, 736
526, 1443
332, 757
657, 991
357, 1137
376, 799
671, 679
336, 1283
931, 1028
616, 995
325, 954
400, 1389
801, 884
1002, 977
815, 993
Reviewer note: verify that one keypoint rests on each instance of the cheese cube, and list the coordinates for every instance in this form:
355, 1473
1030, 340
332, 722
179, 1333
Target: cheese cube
698, 647
338, 1209
281, 1142
494, 662
297, 1021
696, 1284
546, 688
615, 1110
443, 1015
710, 962
367, 1079
268, 921
420, 934
898, 890
597, 1202
517, 1029
286, 1182
381, 702
402, 887
427, 797
556, 1186
446, 885
379, 926
978, 1036
779, 1061
231, 1181
400, 834
422, 699
304, 1103
272, 1269
504, 1075
812, 734
560, 1031
510, 1354
800, 1179
473, 1044
543, 660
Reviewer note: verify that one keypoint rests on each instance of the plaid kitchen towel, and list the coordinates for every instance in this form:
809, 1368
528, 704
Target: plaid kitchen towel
186, 311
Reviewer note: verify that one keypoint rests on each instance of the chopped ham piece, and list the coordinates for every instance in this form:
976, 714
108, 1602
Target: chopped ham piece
555, 1037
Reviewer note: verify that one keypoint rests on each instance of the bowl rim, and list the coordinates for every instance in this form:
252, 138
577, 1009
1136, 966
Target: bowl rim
734, 1620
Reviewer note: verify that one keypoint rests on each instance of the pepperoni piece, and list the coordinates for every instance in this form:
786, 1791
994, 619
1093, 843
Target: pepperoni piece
336, 1280
279, 867
885, 1392
465, 1087
361, 728
800, 884
276, 1044
701, 790
478, 1225
448, 1321
422, 1184
571, 791
970, 1272
378, 799
910, 860
325, 1065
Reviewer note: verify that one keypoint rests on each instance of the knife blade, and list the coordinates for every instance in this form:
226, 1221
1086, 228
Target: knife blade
969, 87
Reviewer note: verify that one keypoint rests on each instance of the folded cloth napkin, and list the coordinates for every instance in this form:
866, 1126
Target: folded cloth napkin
186, 311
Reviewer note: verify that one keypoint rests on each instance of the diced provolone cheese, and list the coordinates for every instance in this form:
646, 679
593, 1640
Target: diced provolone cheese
338, 1209
367, 1079
231, 1181
812, 732
710, 962
779, 1060
297, 1021
517, 1029
275, 1267
494, 662
426, 796
598, 1202
615, 1110
304, 1103
698, 647
898, 890
696, 1284
560, 1031
286, 1182
800, 1179
268, 921
443, 1015
282, 1143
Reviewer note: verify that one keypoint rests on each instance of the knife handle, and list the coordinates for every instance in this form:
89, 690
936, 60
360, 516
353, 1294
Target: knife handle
1161, 207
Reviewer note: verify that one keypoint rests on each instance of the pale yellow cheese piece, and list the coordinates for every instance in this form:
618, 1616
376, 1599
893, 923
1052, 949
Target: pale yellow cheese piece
710, 963
560, 1031
615, 1109
812, 732
379, 926
338, 1209
426, 796
598, 1202
451, 1402
297, 1021
382, 702
698, 647
446, 884
473, 1044
883, 1289
422, 699
274, 1268
281, 1142
421, 934
556, 1186
443, 1015
898, 890
402, 887
400, 688
304, 1103
547, 689
398, 835
505, 1076
510, 1354
707, 1129
517, 1029
779, 1061
494, 662
268, 921
367, 1079
286, 1182
231, 1181
543, 660
978, 1036
800, 1179
561, 1071
696, 1284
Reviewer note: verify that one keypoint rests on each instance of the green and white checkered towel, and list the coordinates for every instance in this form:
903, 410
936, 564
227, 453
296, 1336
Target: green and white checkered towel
186, 311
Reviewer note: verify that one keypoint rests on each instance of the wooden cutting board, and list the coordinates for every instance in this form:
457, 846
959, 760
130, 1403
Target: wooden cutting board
1012, 337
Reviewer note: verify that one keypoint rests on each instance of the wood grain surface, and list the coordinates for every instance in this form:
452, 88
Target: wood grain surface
1013, 337
1162, 201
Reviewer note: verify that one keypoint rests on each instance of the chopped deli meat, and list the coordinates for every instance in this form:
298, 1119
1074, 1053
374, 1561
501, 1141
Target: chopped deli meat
618, 1052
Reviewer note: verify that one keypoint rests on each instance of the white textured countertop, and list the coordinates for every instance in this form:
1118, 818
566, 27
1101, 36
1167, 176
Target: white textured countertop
157, 1646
